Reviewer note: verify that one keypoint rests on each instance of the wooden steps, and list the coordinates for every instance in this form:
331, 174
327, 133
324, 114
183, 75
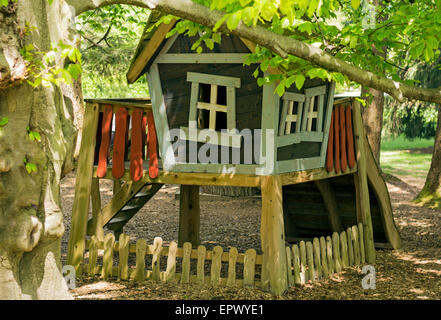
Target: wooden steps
124, 205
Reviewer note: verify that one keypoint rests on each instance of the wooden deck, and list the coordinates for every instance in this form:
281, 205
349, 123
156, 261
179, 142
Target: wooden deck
238, 180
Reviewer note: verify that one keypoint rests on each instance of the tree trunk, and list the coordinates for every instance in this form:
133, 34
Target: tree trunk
430, 195
373, 120
373, 114
31, 221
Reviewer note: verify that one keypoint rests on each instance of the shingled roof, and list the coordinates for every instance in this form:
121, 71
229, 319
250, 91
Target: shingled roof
152, 41
153, 37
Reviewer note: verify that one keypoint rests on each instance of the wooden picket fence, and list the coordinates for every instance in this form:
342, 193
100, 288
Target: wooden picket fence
321, 257
307, 261
249, 261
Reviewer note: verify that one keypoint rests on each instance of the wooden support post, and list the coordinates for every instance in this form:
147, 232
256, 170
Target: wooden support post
273, 236
116, 186
363, 187
189, 215
330, 201
97, 223
83, 185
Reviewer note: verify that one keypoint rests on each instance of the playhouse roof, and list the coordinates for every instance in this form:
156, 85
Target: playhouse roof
151, 40
151, 43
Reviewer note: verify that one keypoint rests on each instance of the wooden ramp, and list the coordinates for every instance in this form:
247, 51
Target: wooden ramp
379, 188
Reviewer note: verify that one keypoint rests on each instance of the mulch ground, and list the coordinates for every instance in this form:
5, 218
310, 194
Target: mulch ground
413, 272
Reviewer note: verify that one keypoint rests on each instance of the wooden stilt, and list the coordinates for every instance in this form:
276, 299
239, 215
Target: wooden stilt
189, 215
273, 236
97, 223
330, 201
83, 187
116, 186
363, 188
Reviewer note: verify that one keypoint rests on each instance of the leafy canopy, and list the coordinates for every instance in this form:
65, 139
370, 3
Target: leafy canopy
384, 39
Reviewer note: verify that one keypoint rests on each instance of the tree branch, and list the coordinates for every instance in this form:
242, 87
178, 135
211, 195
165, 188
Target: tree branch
279, 44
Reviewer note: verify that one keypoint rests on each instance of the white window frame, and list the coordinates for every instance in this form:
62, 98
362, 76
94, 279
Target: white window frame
228, 138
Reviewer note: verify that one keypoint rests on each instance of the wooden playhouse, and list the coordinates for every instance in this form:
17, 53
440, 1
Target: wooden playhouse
209, 123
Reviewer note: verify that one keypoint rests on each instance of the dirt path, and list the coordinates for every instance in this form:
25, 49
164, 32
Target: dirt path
413, 272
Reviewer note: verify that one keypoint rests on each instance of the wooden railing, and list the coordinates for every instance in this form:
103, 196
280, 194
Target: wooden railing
306, 261
133, 139
340, 152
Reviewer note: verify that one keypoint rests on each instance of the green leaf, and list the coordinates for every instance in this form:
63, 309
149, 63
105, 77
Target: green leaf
355, 4
50, 1
31, 167
220, 22
3, 121
209, 43
260, 81
233, 21
243, 3
299, 80
303, 4
362, 101
34, 136
74, 70
4, 3
281, 89
353, 41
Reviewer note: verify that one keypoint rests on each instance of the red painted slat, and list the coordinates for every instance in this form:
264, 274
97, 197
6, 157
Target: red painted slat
350, 137
337, 140
106, 130
152, 145
119, 144
344, 159
144, 135
330, 151
136, 169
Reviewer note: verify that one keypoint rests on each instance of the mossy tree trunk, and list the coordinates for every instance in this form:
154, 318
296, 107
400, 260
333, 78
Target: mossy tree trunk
373, 113
430, 195
373, 120
31, 220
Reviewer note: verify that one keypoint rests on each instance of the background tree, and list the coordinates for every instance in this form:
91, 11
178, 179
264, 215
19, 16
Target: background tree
37, 140
373, 113
429, 75
109, 37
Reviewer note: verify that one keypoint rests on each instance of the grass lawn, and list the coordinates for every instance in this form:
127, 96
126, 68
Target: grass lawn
404, 158
401, 143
